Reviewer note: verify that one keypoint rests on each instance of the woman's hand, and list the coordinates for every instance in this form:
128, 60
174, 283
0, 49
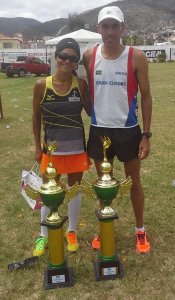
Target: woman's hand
38, 155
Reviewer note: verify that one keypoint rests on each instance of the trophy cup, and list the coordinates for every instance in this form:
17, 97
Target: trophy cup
57, 273
106, 189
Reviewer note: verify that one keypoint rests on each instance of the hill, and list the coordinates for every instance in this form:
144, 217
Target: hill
145, 15
10, 26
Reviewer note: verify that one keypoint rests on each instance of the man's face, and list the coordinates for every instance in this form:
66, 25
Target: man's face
110, 30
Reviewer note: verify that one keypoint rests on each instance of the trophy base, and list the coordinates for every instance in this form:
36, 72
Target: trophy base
57, 278
105, 217
108, 270
54, 225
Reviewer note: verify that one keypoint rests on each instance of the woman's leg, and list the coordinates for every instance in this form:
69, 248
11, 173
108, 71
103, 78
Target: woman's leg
73, 213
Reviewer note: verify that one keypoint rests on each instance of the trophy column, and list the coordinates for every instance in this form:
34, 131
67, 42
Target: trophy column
108, 266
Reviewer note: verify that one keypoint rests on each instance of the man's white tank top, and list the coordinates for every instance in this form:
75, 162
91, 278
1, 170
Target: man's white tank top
113, 88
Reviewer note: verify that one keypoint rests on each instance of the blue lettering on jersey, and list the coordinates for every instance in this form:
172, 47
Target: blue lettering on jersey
101, 82
104, 82
118, 83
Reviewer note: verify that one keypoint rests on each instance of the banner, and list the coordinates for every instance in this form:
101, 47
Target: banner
154, 53
10, 55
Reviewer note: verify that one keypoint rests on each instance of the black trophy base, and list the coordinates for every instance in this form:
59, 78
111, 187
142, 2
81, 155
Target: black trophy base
54, 225
105, 217
56, 278
108, 270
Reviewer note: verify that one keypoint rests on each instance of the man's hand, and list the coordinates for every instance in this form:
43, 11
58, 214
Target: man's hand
144, 148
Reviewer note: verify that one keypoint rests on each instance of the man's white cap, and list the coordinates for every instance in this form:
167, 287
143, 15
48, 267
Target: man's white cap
113, 12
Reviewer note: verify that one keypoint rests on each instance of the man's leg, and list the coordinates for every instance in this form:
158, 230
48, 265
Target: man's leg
132, 168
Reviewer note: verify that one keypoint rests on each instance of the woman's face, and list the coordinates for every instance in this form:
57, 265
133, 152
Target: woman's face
67, 60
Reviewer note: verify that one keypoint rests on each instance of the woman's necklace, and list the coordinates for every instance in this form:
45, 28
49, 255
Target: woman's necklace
61, 82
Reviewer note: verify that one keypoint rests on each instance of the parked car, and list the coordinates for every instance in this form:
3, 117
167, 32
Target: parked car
26, 65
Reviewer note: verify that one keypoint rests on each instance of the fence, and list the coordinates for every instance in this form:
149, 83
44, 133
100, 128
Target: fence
10, 55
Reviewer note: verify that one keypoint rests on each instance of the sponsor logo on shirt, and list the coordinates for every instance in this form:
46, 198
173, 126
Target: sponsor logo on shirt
111, 82
74, 97
121, 73
98, 72
50, 97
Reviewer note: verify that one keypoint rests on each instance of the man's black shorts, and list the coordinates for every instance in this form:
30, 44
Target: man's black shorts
124, 143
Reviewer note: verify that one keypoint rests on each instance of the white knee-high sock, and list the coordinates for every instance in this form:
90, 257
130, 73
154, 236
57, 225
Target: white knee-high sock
73, 212
44, 212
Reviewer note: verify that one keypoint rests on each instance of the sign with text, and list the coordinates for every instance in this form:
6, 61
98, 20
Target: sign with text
154, 53
10, 55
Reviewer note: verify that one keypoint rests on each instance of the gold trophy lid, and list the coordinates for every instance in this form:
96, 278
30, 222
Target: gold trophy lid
51, 186
106, 181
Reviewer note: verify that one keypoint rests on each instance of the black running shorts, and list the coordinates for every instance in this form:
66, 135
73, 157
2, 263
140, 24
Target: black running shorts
124, 143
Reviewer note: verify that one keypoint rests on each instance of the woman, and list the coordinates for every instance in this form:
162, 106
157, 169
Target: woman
58, 101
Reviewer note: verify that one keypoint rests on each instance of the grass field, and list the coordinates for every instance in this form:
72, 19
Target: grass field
146, 277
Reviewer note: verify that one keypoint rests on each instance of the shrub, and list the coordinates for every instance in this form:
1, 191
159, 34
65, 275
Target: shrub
161, 57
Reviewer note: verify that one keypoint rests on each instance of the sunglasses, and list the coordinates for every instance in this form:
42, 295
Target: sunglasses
65, 56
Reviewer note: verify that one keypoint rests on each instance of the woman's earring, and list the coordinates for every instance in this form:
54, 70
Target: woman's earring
76, 67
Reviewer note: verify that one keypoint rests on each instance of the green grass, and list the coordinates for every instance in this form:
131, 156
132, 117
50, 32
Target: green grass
146, 277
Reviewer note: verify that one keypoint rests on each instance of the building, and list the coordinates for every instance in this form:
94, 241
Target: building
7, 42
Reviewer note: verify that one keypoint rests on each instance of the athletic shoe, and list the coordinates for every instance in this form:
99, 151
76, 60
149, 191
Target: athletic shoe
96, 243
41, 244
142, 243
72, 243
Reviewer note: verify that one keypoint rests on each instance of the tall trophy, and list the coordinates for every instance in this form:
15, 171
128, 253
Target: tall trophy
57, 273
108, 265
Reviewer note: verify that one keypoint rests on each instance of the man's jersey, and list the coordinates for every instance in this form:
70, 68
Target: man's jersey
61, 118
113, 88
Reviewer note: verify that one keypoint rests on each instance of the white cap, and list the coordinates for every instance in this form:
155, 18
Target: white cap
113, 12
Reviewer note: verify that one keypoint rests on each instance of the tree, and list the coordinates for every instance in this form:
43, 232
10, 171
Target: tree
161, 57
75, 22
133, 40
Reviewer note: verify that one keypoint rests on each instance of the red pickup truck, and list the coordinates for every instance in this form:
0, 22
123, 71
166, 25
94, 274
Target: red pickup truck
27, 65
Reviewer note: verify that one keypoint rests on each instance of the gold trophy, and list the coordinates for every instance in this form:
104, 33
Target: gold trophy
106, 189
57, 273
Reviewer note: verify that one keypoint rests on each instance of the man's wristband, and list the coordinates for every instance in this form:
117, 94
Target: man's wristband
147, 134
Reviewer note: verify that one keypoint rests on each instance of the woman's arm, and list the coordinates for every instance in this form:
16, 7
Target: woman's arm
85, 95
38, 93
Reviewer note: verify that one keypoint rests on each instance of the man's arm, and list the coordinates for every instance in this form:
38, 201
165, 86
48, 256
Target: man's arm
37, 98
87, 57
140, 64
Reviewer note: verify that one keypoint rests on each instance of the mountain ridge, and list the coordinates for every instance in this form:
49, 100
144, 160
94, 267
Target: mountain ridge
145, 15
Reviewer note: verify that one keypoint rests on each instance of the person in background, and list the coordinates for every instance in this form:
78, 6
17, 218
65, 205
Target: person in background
58, 101
1, 110
115, 73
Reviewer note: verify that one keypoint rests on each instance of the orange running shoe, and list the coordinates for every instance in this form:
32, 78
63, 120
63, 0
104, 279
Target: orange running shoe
142, 243
72, 243
96, 243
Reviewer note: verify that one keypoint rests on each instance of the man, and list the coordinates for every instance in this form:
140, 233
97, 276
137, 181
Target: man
115, 72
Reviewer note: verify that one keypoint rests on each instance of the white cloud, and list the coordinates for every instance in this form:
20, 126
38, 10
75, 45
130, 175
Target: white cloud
44, 10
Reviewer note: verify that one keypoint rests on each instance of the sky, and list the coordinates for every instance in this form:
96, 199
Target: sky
45, 10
